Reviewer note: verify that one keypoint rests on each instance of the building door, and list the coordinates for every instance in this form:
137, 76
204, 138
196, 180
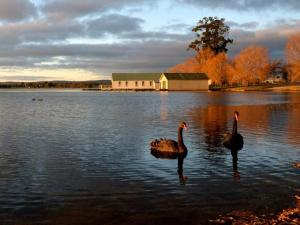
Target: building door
164, 85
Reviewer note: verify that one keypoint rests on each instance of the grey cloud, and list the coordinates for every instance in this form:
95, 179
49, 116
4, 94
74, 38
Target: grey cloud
248, 25
114, 24
178, 27
16, 10
163, 36
29, 78
70, 50
240, 34
66, 9
44, 31
269, 38
150, 56
245, 4
13, 34
15, 61
283, 23
142, 56
126, 27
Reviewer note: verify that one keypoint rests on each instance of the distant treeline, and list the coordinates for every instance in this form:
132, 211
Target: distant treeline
56, 84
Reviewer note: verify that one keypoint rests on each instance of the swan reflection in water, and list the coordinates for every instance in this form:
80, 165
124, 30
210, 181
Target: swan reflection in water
170, 149
235, 142
236, 173
180, 159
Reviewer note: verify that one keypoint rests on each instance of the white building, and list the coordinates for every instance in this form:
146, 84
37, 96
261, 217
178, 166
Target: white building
160, 81
135, 81
184, 81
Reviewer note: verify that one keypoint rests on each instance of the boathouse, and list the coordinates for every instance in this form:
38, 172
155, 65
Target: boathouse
184, 81
135, 81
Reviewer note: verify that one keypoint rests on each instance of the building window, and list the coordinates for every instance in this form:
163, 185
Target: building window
126, 83
119, 83
151, 83
143, 83
136, 83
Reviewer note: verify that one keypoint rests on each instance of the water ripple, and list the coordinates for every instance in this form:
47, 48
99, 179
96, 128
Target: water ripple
90, 146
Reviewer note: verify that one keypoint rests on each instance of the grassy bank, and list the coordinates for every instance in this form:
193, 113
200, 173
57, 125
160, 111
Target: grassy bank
260, 88
286, 88
250, 88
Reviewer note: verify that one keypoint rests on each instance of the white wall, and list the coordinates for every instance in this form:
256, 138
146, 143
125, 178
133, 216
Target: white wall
187, 85
133, 85
162, 80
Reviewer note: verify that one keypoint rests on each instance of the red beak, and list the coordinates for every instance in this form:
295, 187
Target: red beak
185, 128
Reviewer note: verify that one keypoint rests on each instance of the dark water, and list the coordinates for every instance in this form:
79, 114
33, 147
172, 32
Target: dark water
83, 157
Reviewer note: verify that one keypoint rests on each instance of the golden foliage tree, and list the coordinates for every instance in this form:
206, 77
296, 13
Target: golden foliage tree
251, 65
204, 55
232, 75
216, 67
206, 61
191, 65
292, 54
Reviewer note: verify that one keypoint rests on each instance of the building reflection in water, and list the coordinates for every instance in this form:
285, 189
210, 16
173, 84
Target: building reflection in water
164, 111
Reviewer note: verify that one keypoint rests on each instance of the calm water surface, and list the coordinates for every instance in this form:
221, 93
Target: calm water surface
84, 156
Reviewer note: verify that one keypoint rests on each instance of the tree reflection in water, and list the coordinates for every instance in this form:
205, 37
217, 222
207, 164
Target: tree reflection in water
257, 120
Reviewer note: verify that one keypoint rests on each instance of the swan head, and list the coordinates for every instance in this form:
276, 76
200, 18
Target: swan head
183, 125
236, 115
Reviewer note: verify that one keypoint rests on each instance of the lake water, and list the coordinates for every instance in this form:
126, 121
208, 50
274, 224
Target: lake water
83, 157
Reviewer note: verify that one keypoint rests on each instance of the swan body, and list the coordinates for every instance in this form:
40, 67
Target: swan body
168, 148
234, 140
165, 145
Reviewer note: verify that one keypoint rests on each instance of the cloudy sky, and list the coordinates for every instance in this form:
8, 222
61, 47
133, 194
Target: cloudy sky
90, 39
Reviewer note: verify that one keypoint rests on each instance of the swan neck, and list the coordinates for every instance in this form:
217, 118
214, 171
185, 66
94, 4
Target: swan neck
234, 127
180, 139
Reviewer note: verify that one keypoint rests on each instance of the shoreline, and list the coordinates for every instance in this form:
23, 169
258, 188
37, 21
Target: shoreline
285, 216
89, 211
291, 88
286, 88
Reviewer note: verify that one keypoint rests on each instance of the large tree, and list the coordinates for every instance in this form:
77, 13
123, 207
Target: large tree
205, 62
292, 53
191, 65
212, 33
251, 65
213, 65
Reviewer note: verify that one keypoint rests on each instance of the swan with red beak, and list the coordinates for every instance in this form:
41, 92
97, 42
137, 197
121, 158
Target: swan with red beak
168, 147
234, 141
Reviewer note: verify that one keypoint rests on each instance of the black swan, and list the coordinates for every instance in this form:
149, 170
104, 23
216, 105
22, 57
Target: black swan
234, 141
167, 148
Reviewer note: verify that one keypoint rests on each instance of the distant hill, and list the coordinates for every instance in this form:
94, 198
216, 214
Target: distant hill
56, 84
